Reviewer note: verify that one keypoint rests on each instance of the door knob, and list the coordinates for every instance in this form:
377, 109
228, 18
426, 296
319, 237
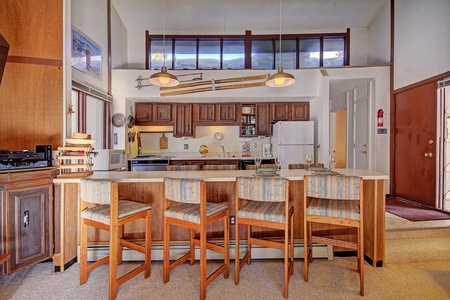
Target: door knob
429, 154
364, 152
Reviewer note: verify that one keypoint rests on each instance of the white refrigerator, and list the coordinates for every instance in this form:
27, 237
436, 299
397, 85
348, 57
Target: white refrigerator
292, 140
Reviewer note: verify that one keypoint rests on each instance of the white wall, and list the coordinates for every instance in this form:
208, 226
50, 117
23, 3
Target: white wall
422, 43
358, 47
119, 46
379, 41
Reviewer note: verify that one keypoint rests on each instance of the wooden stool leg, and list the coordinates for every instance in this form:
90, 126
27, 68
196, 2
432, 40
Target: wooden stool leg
236, 252
249, 244
305, 251
226, 256
166, 259
286, 261
192, 247
113, 249
203, 282
83, 253
148, 244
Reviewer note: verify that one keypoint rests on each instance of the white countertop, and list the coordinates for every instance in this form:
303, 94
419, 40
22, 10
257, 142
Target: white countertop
209, 156
211, 176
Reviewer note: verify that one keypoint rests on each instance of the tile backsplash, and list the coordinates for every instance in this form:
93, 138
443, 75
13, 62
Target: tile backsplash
204, 135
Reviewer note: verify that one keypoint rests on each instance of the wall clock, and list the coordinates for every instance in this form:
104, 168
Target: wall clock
218, 136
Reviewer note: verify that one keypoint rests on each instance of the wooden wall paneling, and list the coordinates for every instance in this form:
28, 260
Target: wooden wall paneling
33, 28
31, 98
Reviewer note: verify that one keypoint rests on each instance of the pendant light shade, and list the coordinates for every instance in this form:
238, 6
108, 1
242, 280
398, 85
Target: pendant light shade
163, 78
280, 79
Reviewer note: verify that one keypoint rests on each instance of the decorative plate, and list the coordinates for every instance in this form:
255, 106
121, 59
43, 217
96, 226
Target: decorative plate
218, 136
118, 120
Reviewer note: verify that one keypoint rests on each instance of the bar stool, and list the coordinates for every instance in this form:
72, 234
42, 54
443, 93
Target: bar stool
111, 214
193, 212
264, 202
338, 201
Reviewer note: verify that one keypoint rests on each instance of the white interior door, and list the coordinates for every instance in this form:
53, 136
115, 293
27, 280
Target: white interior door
360, 129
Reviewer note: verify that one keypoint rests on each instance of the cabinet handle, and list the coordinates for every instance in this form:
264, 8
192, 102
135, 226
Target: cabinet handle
26, 218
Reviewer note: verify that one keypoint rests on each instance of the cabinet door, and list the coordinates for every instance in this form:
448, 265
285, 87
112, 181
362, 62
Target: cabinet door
204, 113
263, 119
162, 112
183, 121
143, 112
300, 111
280, 112
227, 113
30, 226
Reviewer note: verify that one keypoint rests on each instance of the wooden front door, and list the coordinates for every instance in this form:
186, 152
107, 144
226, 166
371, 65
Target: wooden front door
414, 176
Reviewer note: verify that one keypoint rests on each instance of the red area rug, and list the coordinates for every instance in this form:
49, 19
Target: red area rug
413, 212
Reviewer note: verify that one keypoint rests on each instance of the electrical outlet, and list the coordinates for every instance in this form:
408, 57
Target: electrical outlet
255, 145
186, 146
232, 220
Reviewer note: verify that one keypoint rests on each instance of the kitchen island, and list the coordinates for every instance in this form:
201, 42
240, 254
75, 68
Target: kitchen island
147, 187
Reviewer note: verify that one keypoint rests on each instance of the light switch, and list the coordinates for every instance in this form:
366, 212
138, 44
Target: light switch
186, 146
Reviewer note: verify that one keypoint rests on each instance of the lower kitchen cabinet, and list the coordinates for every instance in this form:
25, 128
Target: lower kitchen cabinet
26, 206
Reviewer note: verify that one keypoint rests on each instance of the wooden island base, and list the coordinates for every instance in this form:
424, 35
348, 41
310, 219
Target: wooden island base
147, 187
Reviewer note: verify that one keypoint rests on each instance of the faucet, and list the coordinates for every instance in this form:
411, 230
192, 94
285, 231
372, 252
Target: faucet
223, 149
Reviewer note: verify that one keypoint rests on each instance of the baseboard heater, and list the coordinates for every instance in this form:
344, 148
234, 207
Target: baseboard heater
319, 251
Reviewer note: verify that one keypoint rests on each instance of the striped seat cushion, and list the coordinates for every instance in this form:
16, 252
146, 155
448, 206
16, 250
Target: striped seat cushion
264, 189
266, 211
347, 209
191, 212
101, 213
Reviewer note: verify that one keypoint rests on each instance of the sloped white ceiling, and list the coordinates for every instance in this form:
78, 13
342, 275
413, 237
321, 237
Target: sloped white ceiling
236, 16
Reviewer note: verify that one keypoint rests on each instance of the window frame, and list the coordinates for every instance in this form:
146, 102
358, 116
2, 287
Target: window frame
248, 38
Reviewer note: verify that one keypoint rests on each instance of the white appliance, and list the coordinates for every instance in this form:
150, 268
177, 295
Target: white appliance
109, 159
292, 140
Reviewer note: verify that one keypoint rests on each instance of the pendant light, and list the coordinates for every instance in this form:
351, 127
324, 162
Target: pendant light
163, 79
280, 79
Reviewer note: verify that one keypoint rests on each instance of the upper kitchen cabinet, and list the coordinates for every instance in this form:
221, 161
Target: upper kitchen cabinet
143, 113
204, 114
153, 113
227, 113
183, 120
216, 114
263, 119
162, 113
281, 112
290, 111
300, 111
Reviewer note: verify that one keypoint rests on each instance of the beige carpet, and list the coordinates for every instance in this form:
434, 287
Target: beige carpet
335, 279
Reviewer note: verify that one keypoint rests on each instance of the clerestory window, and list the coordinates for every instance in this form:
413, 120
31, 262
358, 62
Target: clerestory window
248, 51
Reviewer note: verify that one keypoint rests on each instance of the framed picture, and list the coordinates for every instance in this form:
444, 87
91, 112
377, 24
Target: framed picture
86, 55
